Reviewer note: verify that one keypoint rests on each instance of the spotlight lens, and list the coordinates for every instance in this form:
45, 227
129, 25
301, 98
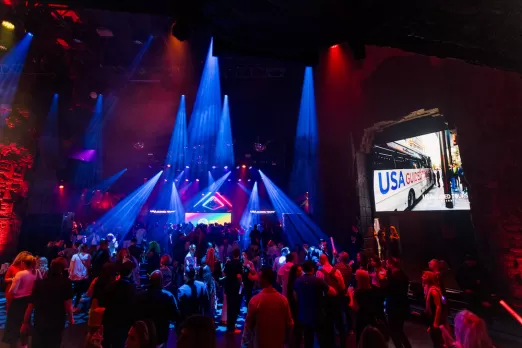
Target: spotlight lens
168, 165
226, 167
214, 167
237, 167
197, 179
165, 180
186, 179
238, 179
243, 166
249, 180
187, 167
8, 25
61, 187
250, 167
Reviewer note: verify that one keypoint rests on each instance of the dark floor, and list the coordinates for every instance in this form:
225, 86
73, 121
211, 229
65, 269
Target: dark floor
74, 336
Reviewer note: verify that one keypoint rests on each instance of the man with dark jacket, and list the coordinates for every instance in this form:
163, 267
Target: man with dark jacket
119, 303
100, 258
233, 288
158, 305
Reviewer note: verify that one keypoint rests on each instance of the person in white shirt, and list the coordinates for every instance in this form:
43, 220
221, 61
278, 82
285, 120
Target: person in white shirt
79, 273
191, 260
284, 272
21, 290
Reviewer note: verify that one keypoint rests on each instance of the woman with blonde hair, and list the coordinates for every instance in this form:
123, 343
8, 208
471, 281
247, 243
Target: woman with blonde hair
363, 301
21, 290
394, 244
13, 269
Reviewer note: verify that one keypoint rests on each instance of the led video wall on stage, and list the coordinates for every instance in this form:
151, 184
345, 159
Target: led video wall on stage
208, 218
422, 173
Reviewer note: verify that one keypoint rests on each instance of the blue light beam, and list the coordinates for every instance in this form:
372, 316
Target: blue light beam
175, 204
248, 220
137, 59
204, 121
298, 227
12, 65
210, 190
123, 215
176, 155
224, 145
89, 173
304, 176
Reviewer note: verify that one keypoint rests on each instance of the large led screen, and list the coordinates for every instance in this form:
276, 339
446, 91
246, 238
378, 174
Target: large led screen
208, 218
420, 174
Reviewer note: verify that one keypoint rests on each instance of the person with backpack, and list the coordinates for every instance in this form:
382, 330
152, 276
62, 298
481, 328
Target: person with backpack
193, 298
333, 304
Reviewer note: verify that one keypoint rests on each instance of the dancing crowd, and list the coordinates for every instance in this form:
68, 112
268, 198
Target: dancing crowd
294, 296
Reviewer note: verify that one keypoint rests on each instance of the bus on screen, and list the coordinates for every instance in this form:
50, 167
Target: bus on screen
401, 176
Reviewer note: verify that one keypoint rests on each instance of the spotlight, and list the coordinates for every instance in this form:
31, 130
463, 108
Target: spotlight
93, 95
61, 186
186, 179
250, 167
202, 194
238, 179
30, 34
237, 167
249, 180
166, 180
176, 180
187, 167
214, 167
243, 166
197, 180
334, 46
229, 179
168, 165
226, 167
8, 25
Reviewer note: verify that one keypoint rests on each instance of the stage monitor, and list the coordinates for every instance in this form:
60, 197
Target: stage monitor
422, 173
208, 218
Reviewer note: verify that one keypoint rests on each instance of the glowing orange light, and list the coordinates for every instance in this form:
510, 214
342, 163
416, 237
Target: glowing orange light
243, 166
511, 311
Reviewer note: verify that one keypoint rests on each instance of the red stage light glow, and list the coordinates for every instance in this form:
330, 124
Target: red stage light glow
334, 46
243, 166
224, 199
61, 187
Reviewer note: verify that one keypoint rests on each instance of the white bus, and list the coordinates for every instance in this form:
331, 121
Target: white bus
401, 176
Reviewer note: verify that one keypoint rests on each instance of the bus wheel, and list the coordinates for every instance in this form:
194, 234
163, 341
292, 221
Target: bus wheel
411, 198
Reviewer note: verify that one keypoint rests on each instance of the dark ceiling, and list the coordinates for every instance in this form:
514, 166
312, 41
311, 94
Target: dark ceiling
485, 32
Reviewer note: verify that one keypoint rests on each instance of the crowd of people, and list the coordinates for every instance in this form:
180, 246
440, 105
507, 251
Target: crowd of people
293, 296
